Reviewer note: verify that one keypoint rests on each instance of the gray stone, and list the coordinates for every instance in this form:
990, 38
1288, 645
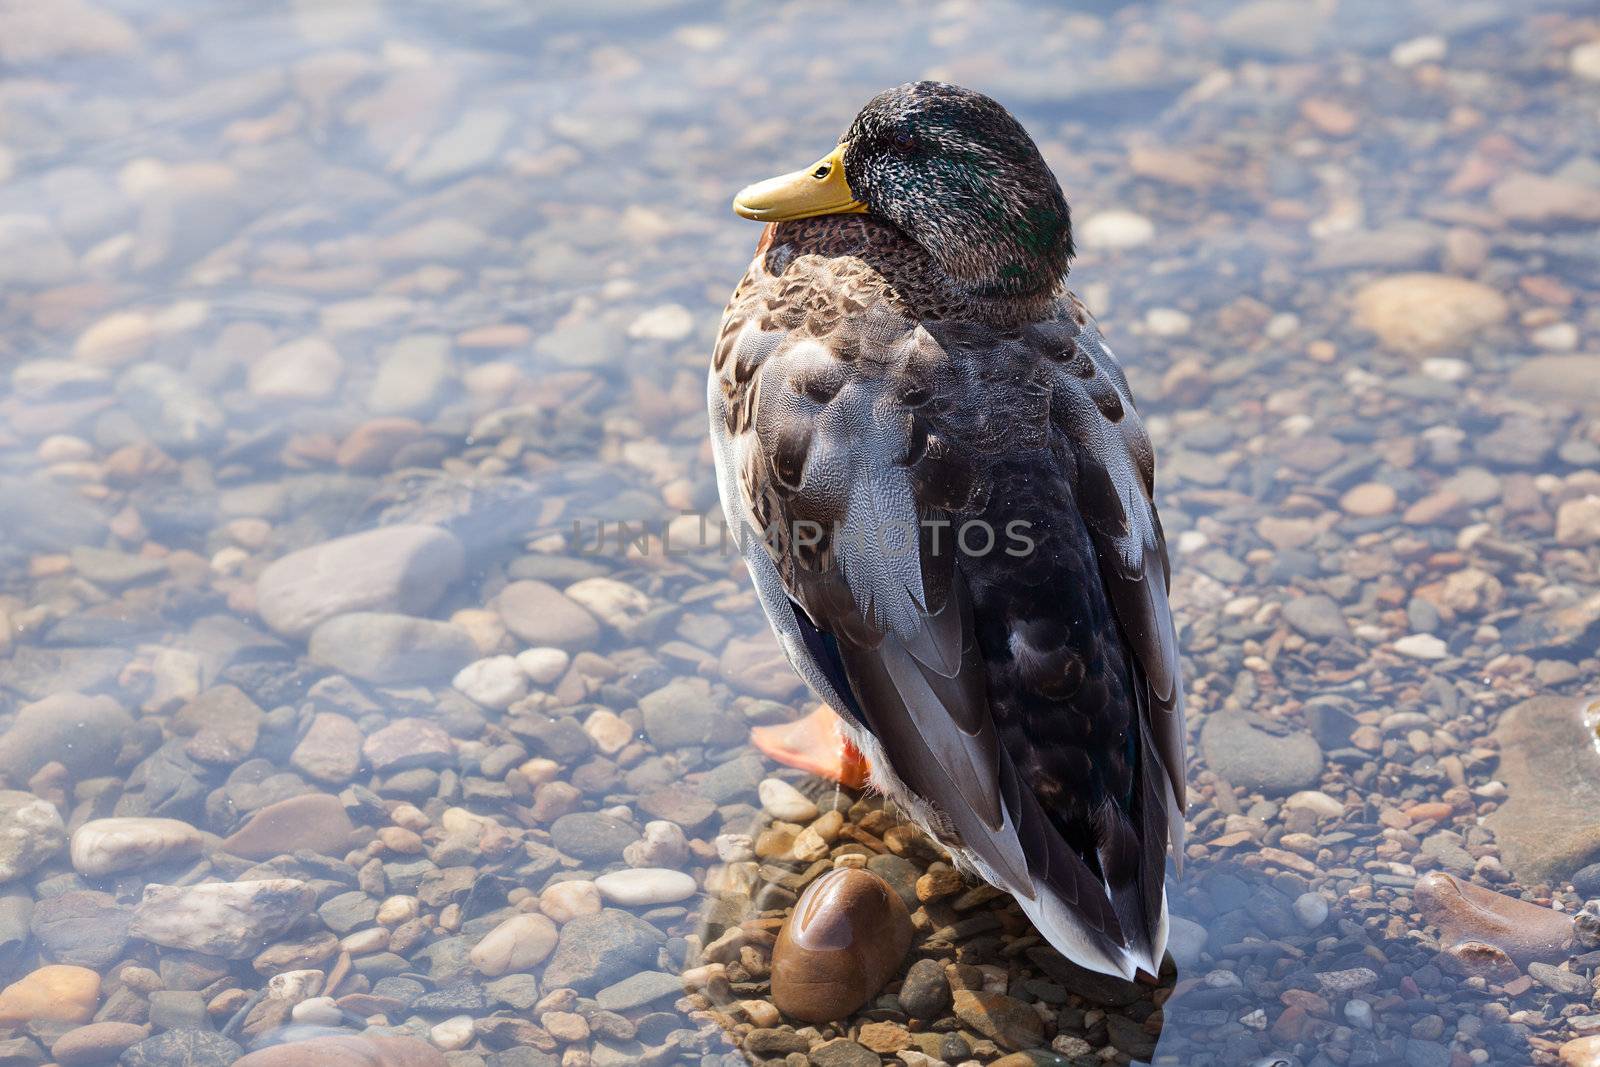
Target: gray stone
169, 409
842, 1052
38, 673
182, 1048
541, 614
1316, 617
403, 569
925, 994
638, 990
348, 911
391, 649
1253, 754
597, 950
82, 927
1546, 829
177, 1009
685, 711
84, 733
592, 837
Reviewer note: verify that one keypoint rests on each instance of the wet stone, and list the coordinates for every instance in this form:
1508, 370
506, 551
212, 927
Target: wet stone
592, 837
1249, 753
31, 833
82, 927
388, 648
182, 1048
316, 822
596, 951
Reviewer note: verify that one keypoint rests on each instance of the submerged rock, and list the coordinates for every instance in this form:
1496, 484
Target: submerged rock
1466, 913
845, 939
58, 993
401, 569
228, 919
356, 1050
1260, 756
109, 846
1547, 828
31, 832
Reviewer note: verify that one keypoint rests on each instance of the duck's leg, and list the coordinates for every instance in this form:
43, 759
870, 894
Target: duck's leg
814, 744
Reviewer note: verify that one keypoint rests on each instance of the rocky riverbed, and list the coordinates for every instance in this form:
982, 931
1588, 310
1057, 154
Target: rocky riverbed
375, 684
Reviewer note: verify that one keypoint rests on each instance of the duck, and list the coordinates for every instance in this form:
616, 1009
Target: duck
935, 474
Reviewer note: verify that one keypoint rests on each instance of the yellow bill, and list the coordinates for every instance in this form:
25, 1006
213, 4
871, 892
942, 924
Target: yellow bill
819, 189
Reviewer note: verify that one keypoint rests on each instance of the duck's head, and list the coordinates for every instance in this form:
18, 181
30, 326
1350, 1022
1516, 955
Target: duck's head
953, 171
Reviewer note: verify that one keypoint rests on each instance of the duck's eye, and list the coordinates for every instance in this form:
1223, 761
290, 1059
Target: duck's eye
902, 141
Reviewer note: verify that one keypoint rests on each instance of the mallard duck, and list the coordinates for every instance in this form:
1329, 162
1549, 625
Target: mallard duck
944, 497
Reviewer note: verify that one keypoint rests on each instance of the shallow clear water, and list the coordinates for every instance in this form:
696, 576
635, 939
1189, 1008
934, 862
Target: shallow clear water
278, 276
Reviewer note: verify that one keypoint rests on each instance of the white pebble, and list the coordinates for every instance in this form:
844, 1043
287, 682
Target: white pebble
495, 682
783, 801
1167, 322
644, 886
318, 1011
515, 945
1421, 646
668, 322
1311, 909
543, 665
1584, 62
1115, 230
453, 1034
1429, 49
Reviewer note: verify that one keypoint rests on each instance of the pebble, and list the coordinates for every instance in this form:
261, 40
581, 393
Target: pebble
1466, 912
543, 666
391, 649
304, 370
568, 900
228, 919
1423, 313
1578, 522
496, 682
1584, 1051
1549, 763
924, 993
55, 993
97, 1043
316, 822
1115, 231
110, 846
1311, 909
784, 802
1244, 751
1421, 646
597, 950
187, 1047
330, 751
645, 886
1009, 1022
845, 938
83, 733
1584, 61
408, 743
517, 944
31, 832
399, 569
540, 614
1369, 500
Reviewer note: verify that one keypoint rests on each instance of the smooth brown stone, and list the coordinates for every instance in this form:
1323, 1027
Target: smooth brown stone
847, 936
316, 822
353, 1051
96, 1043
1467, 913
